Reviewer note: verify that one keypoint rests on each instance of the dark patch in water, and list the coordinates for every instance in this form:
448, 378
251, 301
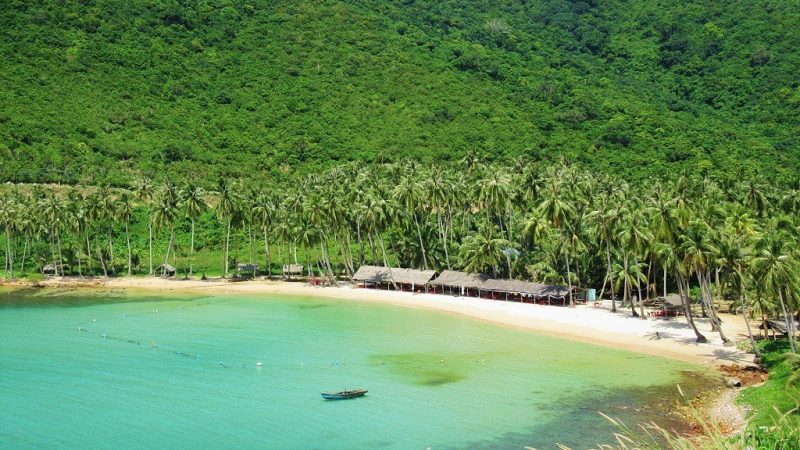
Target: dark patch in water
429, 369
316, 306
438, 379
576, 422
77, 297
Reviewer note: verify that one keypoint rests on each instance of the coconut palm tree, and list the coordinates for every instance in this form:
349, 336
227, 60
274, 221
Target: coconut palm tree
124, 214
263, 215
192, 201
776, 270
668, 257
7, 220
53, 214
165, 214
144, 192
605, 220
698, 249
227, 211
483, 250
409, 195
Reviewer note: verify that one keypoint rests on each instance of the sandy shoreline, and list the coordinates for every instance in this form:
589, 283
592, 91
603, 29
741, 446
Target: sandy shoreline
596, 325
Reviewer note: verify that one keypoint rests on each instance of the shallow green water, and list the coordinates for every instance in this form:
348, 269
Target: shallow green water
434, 380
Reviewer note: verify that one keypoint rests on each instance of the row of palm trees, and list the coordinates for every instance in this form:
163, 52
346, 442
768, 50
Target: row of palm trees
706, 239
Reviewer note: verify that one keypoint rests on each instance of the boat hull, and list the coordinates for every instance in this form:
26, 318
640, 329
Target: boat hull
343, 395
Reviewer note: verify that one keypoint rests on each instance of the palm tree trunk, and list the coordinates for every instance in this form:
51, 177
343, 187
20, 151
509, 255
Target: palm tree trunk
683, 288
746, 314
349, 255
569, 281
603, 288
88, 252
372, 247
705, 292
9, 263
250, 236
128, 241
191, 251
361, 252
150, 243
227, 244
60, 258
443, 236
628, 294
324, 248
609, 272
421, 244
24, 251
789, 321
639, 290
169, 249
665, 282
102, 262
267, 265
385, 259
110, 250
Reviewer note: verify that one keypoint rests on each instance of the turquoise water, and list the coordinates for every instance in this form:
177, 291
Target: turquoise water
79, 370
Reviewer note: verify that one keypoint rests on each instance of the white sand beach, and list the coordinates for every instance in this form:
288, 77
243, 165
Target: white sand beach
586, 323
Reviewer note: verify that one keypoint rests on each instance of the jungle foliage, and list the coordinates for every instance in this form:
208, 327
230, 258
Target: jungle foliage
104, 92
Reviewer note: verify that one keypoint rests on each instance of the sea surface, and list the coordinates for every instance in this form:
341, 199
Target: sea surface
102, 369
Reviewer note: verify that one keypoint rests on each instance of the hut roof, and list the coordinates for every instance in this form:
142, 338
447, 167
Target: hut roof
673, 300
293, 268
460, 279
776, 325
525, 287
398, 275
166, 267
247, 267
52, 267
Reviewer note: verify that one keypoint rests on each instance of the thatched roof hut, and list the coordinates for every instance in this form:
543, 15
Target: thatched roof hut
54, 268
166, 270
526, 288
399, 275
455, 278
247, 267
293, 269
777, 326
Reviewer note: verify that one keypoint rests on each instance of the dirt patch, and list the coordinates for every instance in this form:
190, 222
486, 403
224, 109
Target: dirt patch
748, 375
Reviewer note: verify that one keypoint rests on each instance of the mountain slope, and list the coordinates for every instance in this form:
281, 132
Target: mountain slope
105, 91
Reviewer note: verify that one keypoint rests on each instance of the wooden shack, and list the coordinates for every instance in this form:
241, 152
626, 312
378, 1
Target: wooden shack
457, 283
377, 277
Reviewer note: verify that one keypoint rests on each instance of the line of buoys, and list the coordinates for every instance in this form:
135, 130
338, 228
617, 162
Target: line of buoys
154, 345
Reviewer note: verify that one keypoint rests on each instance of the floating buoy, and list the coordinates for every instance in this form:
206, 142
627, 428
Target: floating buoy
258, 364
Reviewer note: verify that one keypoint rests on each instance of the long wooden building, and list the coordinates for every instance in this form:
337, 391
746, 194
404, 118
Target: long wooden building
378, 277
463, 284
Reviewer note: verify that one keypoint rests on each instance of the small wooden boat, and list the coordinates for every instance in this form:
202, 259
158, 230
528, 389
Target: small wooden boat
343, 395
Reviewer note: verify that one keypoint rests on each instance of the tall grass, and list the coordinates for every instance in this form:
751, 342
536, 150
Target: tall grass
783, 434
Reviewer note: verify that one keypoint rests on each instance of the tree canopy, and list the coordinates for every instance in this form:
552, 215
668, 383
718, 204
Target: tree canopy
104, 92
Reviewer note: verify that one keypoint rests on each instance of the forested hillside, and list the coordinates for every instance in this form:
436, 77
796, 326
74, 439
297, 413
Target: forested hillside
103, 92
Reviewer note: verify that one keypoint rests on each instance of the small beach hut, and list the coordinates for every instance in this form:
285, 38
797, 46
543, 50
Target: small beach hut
777, 327
404, 279
246, 270
290, 270
53, 269
529, 292
166, 270
458, 283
